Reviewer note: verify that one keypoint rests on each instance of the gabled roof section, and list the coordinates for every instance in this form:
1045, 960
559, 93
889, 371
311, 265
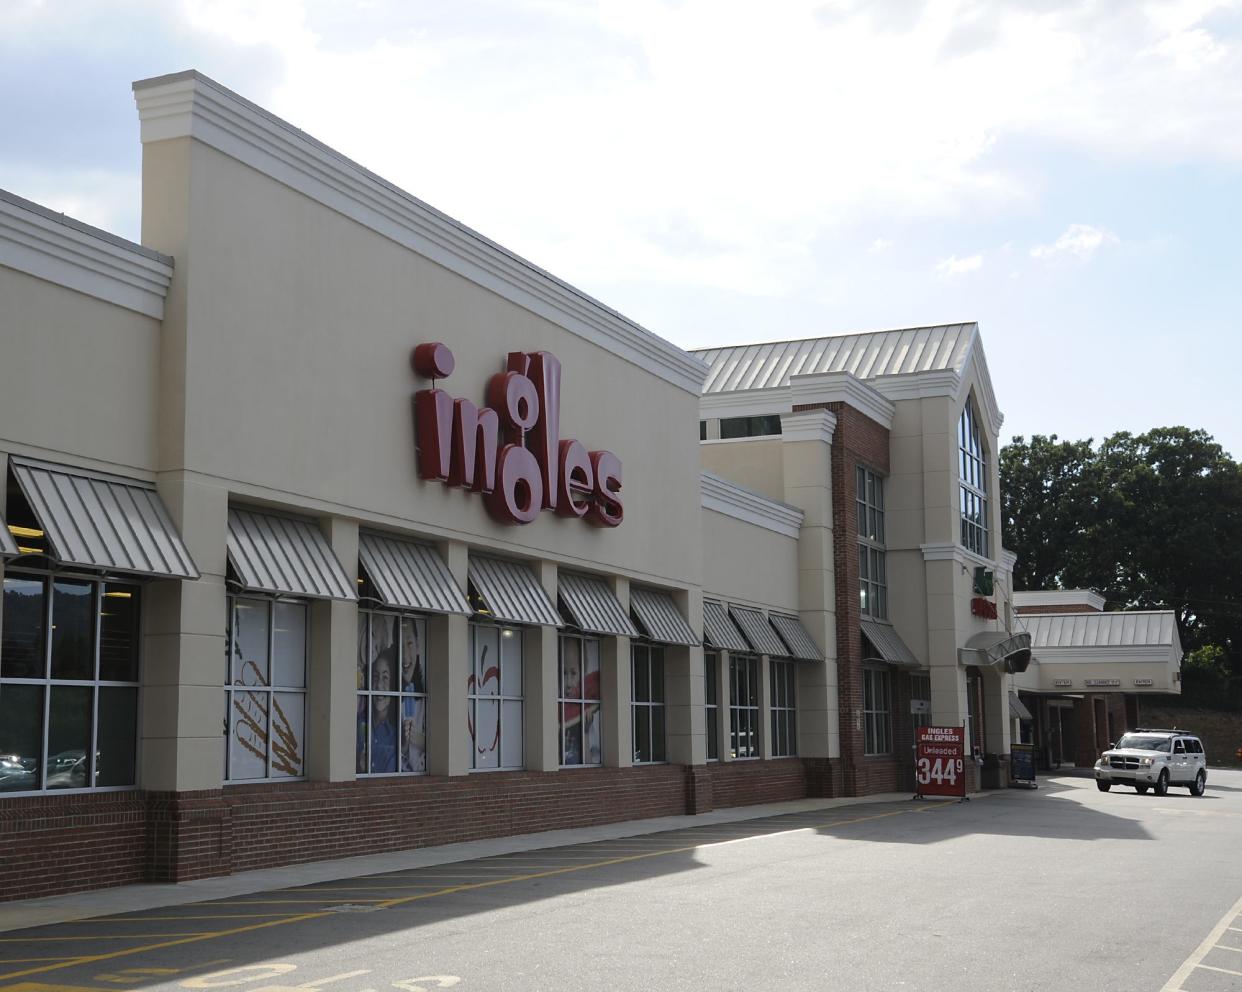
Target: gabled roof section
189, 104
944, 347
61, 250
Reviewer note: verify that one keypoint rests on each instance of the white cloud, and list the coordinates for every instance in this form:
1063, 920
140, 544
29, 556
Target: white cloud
880, 245
954, 266
1080, 242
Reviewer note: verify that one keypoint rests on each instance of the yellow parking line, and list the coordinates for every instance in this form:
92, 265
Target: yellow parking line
109, 936
387, 904
167, 919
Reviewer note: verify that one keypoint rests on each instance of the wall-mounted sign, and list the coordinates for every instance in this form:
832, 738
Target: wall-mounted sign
1144, 682
985, 608
920, 706
1063, 683
511, 450
1102, 683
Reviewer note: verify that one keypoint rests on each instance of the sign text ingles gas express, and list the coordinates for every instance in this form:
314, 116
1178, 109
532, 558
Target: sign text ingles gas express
511, 450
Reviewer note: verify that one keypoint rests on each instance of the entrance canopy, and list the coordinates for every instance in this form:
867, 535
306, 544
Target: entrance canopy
1009, 652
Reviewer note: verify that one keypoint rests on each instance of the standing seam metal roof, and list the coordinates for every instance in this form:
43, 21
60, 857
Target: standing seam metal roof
592, 606
511, 592
1118, 629
758, 631
285, 556
864, 356
101, 521
660, 619
411, 576
719, 630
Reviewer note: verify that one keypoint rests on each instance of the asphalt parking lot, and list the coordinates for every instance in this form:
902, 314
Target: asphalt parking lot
1060, 888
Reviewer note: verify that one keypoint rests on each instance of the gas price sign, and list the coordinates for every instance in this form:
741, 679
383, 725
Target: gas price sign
939, 763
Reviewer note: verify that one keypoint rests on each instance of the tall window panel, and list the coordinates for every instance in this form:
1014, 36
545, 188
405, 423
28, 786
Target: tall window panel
877, 711
784, 709
68, 683
711, 696
580, 705
744, 706
920, 691
494, 691
265, 691
648, 706
973, 477
872, 568
392, 694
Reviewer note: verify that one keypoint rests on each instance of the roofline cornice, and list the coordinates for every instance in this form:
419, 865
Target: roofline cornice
188, 104
809, 425
744, 504
745, 403
841, 387
59, 250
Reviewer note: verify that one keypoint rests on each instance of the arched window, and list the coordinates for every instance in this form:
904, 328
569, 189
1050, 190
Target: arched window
973, 475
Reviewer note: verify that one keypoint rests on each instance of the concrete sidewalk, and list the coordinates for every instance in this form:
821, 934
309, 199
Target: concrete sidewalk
135, 898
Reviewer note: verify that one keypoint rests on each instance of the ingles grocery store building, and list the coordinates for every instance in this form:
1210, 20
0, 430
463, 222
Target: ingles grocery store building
332, 527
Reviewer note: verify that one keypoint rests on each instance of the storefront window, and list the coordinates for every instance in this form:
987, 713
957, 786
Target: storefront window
265, 692
877, 711
391, 734
872, 570
711, 694
974, 707
784, 710
744, 706
647, 693
973, 476
494, 693
920, 691
579, 706
68, 683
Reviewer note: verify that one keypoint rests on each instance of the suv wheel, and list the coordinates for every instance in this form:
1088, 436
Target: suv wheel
1199, 785
1140, 789
1162, 783
1103, 786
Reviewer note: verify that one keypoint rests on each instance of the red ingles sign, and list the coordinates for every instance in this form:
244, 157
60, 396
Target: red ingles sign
511, 450
939, 764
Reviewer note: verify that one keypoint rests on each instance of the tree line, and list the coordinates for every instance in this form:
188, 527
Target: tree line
1151, 521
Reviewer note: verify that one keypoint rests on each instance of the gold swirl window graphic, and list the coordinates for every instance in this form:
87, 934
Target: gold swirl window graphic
250, 724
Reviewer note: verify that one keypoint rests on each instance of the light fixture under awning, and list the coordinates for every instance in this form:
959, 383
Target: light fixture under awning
1018, 708
8, 547
511, 592
796, 638
660, 619
106, 522
1011, 652
592, 606
719, 630
286, 556
758, 631
410, 576
888, 644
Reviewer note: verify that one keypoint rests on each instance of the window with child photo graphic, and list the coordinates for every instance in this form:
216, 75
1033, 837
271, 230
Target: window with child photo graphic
580, 701
392, 694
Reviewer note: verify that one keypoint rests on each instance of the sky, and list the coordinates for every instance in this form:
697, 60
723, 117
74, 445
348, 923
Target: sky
1067, 174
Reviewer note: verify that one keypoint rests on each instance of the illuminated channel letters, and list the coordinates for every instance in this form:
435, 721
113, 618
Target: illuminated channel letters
511, 450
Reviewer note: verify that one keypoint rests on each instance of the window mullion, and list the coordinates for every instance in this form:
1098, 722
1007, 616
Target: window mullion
91, 771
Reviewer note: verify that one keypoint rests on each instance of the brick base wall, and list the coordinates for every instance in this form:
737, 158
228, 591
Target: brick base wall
745, 783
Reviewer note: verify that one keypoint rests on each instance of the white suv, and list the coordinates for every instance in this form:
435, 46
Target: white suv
1154, 759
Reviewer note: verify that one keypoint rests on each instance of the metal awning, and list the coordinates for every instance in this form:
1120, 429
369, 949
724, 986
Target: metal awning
592, 607
1018, 708
888, 644
103, 521
758, 631
8, 547
511, 593
660, 619
998, 647
285, 556
719, 631
796, 637
410, 576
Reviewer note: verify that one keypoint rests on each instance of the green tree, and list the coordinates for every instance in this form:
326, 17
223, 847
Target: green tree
1151, 520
